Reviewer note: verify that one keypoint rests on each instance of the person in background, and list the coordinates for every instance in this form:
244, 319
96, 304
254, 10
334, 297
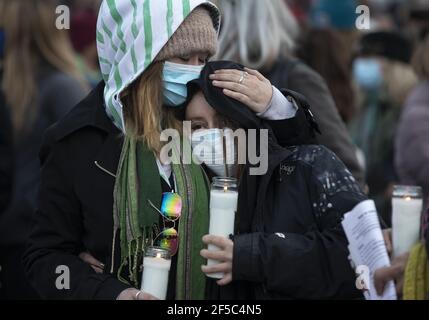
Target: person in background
339, 15
83, 37
6, 150
412, 139
6, 156
385, 78
324, 50
300, 9
6, 167
261, 35
40, 84
418, 19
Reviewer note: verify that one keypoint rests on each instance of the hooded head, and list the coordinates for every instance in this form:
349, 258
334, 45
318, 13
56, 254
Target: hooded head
132, 34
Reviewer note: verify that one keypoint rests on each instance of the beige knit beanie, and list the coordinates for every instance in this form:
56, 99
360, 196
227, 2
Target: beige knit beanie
197, 34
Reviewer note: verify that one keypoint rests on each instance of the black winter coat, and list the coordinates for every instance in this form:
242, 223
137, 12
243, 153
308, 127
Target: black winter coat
75, 202
289, 242
293, 245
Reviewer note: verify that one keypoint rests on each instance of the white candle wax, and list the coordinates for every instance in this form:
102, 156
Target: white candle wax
223, 205
155, 276
406, 217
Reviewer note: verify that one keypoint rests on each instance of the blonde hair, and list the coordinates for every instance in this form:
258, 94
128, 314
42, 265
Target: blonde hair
256, 32
145, 116
421, 60
31, 39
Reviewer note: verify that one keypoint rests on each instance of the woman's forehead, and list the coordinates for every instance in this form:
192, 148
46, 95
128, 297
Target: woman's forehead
200, 106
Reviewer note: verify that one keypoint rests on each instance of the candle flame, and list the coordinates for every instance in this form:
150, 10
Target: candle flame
225, 188
407, 198
158, 255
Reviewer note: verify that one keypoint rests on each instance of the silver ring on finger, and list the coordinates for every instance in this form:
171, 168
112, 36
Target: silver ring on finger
138, 294
242, 78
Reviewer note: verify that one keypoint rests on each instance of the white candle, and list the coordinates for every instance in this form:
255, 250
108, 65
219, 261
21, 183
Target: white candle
406, 217
155, 276
223, 205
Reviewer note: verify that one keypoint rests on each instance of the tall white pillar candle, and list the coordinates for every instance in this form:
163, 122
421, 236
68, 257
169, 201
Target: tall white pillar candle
156, 270
406, 218
223, 205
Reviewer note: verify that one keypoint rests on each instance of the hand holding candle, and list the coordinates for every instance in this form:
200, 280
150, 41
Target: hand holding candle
224, 254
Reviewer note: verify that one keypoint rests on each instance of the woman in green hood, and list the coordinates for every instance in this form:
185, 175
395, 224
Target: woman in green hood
102, 180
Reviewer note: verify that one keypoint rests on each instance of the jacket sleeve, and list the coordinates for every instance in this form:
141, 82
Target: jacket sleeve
6, 156
298, 130
334, 133
313, 265
412, 140
56, 239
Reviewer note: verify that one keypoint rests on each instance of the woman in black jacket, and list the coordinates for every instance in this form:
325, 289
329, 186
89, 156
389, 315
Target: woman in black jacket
289, 242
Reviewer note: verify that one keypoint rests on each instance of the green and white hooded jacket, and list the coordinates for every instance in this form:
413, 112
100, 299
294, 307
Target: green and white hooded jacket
130, 34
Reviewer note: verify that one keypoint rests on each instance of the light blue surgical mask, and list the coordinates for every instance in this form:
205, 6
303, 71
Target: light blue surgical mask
175, 78
216, 149
368, 73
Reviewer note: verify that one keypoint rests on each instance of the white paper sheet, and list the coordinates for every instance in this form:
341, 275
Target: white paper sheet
366, 245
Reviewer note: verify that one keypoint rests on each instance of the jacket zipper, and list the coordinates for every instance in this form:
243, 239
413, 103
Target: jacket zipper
98, 165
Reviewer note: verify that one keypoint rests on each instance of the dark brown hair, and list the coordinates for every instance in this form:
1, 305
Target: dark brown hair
326, 52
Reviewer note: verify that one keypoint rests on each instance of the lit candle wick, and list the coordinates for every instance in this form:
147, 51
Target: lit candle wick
225, 188
407, 198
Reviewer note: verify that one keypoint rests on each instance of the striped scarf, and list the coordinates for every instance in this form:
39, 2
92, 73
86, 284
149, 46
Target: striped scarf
137, 182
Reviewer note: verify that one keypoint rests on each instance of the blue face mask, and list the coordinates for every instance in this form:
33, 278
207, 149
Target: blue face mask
2, 43
175, 78
367, 73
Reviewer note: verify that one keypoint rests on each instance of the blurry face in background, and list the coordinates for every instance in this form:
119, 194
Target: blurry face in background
368, 72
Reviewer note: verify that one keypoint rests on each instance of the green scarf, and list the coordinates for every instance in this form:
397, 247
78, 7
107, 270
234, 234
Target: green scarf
138, 181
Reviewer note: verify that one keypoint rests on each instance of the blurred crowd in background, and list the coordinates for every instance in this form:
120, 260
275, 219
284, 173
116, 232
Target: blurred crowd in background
368, 89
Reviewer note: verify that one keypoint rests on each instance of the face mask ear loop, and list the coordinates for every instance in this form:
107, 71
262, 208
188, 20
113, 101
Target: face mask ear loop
224, 153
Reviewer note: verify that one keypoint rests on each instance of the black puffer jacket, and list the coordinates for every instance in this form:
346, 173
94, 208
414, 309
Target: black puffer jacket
289, 243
